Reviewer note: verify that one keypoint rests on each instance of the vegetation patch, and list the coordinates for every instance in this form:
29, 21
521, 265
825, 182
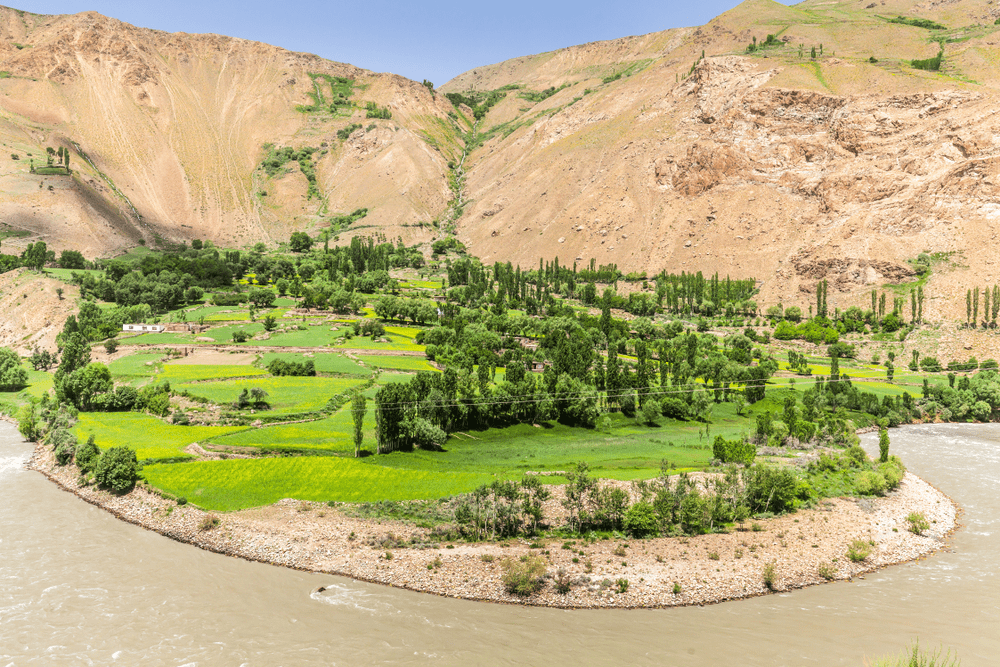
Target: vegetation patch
239, 483
148, 436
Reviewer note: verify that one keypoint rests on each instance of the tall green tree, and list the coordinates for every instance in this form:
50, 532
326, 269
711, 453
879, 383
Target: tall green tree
359, 407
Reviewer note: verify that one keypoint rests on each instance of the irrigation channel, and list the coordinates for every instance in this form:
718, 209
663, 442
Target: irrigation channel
79, 587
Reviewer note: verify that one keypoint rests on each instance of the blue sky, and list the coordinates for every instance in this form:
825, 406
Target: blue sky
434, 40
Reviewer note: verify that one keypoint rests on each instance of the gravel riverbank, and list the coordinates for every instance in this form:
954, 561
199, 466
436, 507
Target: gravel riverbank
703, 569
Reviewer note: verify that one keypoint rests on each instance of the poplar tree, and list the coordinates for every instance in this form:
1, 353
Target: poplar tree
359, 407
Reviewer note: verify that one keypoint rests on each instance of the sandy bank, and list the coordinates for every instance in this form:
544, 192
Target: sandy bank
708, 568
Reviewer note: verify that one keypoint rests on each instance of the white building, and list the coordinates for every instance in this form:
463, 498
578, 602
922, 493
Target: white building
141, 328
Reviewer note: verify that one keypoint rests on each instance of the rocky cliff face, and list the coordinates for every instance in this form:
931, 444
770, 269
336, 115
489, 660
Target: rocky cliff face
767, 164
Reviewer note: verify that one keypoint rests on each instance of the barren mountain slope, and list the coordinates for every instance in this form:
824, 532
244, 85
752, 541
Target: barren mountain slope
176, 126
766, 164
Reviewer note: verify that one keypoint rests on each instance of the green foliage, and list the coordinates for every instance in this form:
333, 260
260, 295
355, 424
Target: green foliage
883, 445
917, 22
523, 577
915, 657
239, 483
150, 437
359, 408
734, 451
372, 110
87, 455
346, 132
769, 575
918, 523
641, 520
859, 550
929, 64
27, 422
13, 377
117, 469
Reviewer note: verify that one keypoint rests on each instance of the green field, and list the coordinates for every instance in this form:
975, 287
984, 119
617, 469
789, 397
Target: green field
286, 395
628, 452
150, 437
313, 336
325, 363
181, 373
135, 365
240, 483
397, 343
399, 363
334, 434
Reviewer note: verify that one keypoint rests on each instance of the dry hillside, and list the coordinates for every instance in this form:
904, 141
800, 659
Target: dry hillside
640, 151
769, 164
175, 127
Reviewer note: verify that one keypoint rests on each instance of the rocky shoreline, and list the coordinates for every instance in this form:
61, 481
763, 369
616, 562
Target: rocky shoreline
702, 570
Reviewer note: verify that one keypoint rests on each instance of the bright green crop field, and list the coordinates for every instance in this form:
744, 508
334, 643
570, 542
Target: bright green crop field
286, 395
135, 365
180, 373
399, 363
147, 435
239, 483
334, 434
397, 343
318, 336
325, 363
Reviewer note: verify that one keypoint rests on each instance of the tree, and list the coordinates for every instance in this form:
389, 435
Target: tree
87, 455
27, 422
35, 255
12, 376
300, 242
72, 259
270, 322
117, 469
262, 297
883, 445
359, 407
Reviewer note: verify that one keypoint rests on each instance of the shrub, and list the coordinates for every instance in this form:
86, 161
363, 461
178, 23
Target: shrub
117, 469
111, 345
523, 577
828, 571
27, 422
677, 588
622, 585
564, 583
87, 455
182, 501
859, 550
918, 523
640, 520
241, 336
871, 483
770, 575
208, 522
487, 558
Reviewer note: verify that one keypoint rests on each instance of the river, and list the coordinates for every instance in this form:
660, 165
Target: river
79, 587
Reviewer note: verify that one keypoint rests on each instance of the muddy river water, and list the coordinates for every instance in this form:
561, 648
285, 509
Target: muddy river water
79, 587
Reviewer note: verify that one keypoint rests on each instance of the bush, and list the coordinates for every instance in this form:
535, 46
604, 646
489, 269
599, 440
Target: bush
770, 575
241, 336
111, 345
770, 488
640, 520
917, 658
117, 469
622, 585
208, 522
918, 523
871, 483
828, 571
859, 550
523, 577
563, 582
87, 455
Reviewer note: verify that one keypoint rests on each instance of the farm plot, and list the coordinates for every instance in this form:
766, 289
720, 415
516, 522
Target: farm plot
329, 435
182, 373
325, 363
239, 483
285, 395
135, 365
147, 435
399, 363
